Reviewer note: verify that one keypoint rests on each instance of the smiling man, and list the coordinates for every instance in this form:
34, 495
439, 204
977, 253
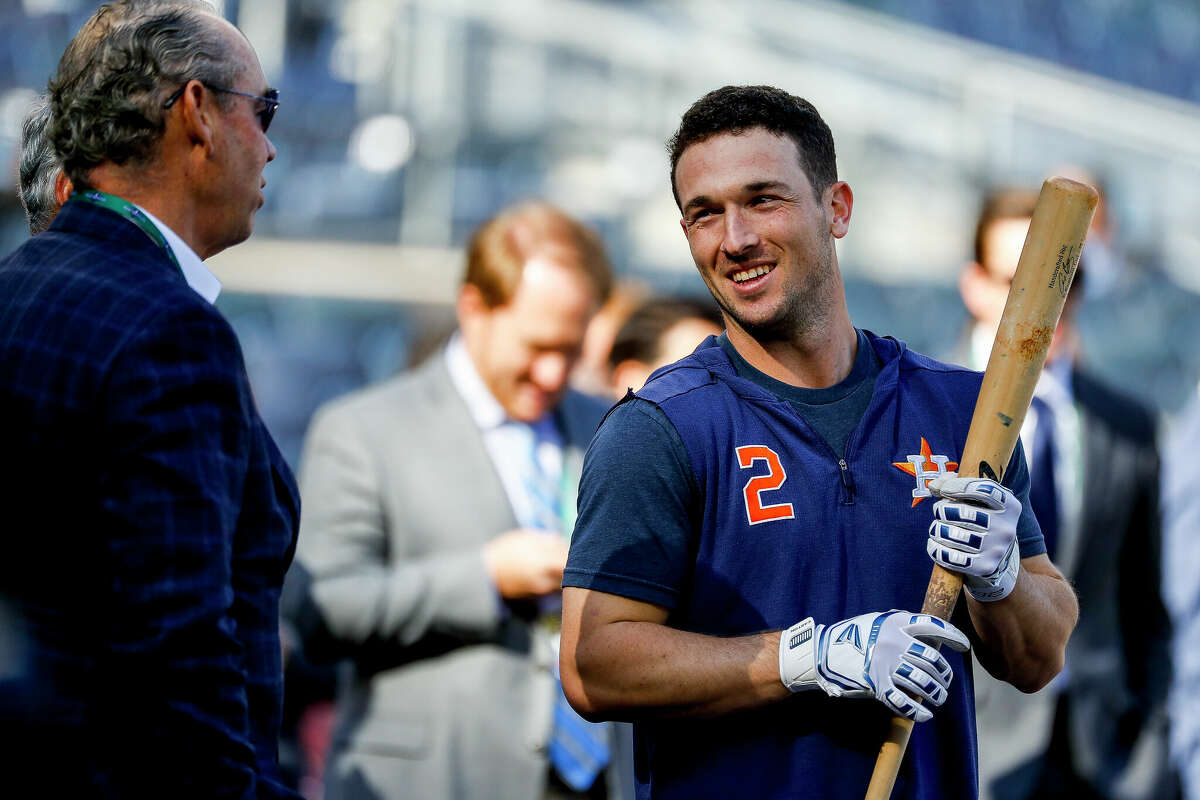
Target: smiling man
751, 521
434, 537
149, 517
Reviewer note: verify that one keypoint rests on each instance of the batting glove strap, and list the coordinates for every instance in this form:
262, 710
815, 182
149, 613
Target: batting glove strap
798, 656
1000, 583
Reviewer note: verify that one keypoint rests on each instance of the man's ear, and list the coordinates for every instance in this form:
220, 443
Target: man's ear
62, 188
840, 204
197, 115
469, 306
474, 320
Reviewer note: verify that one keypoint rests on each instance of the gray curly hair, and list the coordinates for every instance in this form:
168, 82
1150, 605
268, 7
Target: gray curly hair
107, 94
37, 169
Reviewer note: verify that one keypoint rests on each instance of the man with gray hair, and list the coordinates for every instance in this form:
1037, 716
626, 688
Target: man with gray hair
150, 517
44, 187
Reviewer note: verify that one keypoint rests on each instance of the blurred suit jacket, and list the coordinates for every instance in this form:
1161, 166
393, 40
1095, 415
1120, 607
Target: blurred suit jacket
452, 692
148, 523
1117, 658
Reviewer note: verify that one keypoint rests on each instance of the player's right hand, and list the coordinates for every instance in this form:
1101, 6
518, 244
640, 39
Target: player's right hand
525, 562
882, 655
974, 533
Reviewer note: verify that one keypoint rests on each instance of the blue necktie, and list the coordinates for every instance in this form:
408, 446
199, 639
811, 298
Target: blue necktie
578, 749
1043, 489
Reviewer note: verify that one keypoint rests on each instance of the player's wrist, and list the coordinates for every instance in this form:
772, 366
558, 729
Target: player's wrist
798, 656
1000, 583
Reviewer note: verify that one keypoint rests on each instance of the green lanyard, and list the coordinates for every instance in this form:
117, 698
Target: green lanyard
132, 213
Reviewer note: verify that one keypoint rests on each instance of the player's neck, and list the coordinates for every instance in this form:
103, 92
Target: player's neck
817, 359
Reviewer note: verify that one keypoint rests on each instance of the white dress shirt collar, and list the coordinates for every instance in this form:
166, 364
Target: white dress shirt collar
980, 346
485, 410
510, 444
198, 276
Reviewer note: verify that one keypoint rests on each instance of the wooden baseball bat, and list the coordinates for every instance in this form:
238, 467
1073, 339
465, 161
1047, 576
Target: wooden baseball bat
1044, 273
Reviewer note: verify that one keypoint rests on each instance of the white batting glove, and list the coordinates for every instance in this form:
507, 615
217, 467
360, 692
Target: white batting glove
974, 533
882, 655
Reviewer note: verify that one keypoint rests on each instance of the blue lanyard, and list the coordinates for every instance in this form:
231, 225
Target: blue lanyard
130, 212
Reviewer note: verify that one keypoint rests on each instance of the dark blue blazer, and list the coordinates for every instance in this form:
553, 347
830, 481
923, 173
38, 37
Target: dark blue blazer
147, 521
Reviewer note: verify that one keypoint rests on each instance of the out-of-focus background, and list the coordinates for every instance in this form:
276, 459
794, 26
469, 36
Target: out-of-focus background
405, 123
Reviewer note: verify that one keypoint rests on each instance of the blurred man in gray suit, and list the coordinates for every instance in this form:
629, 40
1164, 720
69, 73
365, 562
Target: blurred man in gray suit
1099, 730
434, 536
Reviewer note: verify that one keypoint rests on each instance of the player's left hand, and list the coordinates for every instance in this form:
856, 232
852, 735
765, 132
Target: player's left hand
974, 533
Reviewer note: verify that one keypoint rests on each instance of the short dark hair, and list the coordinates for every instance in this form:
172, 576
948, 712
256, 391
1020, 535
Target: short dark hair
738, 109
107, 93
640, 337
1001, 203
38, 169
499, 248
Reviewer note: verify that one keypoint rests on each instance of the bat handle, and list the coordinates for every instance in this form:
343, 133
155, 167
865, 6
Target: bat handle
940, 598
887, 765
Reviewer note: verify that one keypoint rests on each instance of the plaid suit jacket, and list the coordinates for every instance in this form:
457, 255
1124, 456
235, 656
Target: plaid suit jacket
148, 520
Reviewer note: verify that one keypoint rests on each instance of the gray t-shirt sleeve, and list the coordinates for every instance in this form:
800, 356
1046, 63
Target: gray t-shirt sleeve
638, 500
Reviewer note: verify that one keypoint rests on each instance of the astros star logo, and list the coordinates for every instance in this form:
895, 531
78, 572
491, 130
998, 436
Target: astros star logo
915, 466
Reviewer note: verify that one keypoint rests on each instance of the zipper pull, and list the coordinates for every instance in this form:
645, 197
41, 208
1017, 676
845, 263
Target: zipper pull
847, 481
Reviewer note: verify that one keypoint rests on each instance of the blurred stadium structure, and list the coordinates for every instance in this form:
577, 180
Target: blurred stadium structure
405, 123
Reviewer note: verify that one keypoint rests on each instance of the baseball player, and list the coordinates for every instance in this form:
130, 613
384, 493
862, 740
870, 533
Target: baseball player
757, 524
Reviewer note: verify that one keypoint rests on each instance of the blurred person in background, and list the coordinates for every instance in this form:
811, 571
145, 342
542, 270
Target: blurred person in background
1099, 730
434, 537
42, 185
151, 516
1181, 589
593, 373
660, 331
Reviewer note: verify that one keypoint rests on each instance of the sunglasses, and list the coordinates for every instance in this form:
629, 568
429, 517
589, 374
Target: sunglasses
265, 114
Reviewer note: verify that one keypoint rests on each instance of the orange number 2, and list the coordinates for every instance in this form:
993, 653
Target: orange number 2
756, 512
